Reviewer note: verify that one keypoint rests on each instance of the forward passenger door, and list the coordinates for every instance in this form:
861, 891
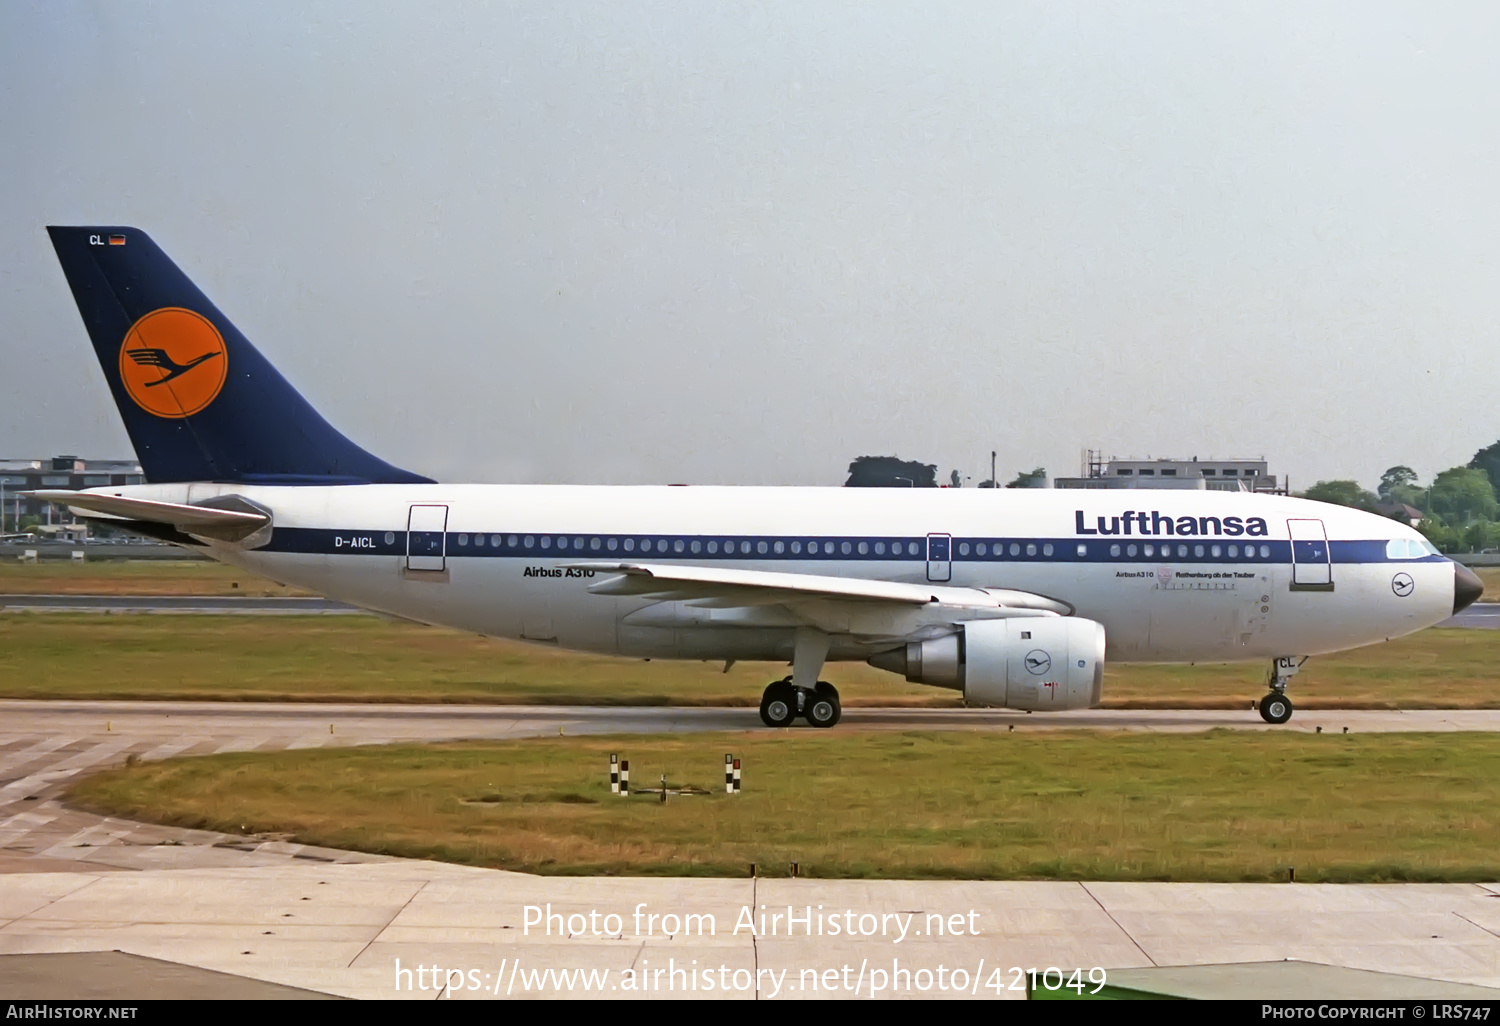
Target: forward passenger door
1312, 563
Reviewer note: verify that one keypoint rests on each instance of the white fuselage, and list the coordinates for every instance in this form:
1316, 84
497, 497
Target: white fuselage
493, 559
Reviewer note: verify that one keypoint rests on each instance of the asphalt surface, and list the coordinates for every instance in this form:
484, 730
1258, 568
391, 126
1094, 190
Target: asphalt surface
1484, 615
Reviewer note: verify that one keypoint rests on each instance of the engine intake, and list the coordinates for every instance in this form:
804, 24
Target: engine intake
1037, 663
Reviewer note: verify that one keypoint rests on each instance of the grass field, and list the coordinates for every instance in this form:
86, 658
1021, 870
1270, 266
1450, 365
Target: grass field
357, 658
1218, 806
134, 577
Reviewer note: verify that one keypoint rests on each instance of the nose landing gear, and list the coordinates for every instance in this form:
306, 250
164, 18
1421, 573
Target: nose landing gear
1276, 707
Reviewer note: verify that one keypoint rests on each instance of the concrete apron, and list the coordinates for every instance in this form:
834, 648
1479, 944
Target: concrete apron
410, 929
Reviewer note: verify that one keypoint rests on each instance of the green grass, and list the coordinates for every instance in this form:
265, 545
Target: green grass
1490, 575
367, 659
1221, 806
133, 577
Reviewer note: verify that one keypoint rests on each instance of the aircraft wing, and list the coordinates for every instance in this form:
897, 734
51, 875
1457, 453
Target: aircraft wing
727, 588
208, 521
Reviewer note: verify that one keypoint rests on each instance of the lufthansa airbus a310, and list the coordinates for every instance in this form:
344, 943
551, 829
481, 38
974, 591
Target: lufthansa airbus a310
1015, 598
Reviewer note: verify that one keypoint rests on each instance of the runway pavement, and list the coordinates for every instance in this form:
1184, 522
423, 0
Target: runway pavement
338, 922
1484, 615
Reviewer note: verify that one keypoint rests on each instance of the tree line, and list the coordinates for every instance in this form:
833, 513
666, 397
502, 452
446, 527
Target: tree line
894, 472
1457, 510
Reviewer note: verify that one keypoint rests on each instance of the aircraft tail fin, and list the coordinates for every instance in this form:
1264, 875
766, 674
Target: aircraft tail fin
199, 402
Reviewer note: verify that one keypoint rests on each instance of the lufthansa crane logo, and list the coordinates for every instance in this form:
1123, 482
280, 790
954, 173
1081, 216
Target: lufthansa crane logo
1038, 662
1403, 585
173, 362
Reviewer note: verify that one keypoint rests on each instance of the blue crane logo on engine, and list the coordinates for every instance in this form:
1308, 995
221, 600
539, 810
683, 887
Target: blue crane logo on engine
1038, 662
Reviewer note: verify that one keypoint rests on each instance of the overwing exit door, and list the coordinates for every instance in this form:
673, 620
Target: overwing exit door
426, 533
1312, 563
939, 557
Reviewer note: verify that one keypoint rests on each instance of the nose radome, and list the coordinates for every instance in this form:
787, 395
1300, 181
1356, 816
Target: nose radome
1467, 587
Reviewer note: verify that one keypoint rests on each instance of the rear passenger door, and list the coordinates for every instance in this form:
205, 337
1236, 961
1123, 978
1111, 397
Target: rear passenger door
426, 538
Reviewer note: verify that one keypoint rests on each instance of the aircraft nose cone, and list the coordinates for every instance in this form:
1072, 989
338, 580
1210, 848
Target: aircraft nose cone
1466, 587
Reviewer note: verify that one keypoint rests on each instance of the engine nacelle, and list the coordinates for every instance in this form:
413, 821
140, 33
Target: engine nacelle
1038, 663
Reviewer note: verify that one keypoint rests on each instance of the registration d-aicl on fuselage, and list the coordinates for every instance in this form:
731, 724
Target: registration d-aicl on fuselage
1014, 597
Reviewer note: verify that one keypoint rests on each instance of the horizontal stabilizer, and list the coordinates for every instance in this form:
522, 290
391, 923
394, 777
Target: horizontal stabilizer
206, 521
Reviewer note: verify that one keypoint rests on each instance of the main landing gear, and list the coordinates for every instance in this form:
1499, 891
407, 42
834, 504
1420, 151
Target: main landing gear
802, 694
783, 702
1276, 707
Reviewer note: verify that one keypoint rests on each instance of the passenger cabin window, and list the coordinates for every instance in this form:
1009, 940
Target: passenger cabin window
1207, 472
1172, 472
1123, 473
1231, 473
1147, 473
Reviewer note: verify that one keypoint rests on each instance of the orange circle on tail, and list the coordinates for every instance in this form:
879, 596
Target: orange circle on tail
173, 362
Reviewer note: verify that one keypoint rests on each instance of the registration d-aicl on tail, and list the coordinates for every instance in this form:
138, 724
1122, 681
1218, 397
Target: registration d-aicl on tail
1016, 598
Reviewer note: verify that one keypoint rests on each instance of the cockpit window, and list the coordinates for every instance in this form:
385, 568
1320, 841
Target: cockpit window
1409, 548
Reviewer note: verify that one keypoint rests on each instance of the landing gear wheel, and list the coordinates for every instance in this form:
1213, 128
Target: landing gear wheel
822, 707
1275, 708
778, 704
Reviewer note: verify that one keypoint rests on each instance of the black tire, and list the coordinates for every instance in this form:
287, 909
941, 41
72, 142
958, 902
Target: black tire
826, 689
823, 709
778, 704
1275, 708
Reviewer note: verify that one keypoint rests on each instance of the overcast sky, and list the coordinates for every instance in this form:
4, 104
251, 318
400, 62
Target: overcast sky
744, 243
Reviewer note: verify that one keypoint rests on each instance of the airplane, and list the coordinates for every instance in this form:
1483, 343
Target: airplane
1015, 598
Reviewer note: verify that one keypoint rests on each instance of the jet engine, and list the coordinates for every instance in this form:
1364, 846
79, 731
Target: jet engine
1037, 663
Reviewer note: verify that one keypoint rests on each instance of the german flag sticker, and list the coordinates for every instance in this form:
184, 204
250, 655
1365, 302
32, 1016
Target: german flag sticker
117, 240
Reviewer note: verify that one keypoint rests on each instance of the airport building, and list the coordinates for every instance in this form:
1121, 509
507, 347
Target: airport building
18, 475
1239, 475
